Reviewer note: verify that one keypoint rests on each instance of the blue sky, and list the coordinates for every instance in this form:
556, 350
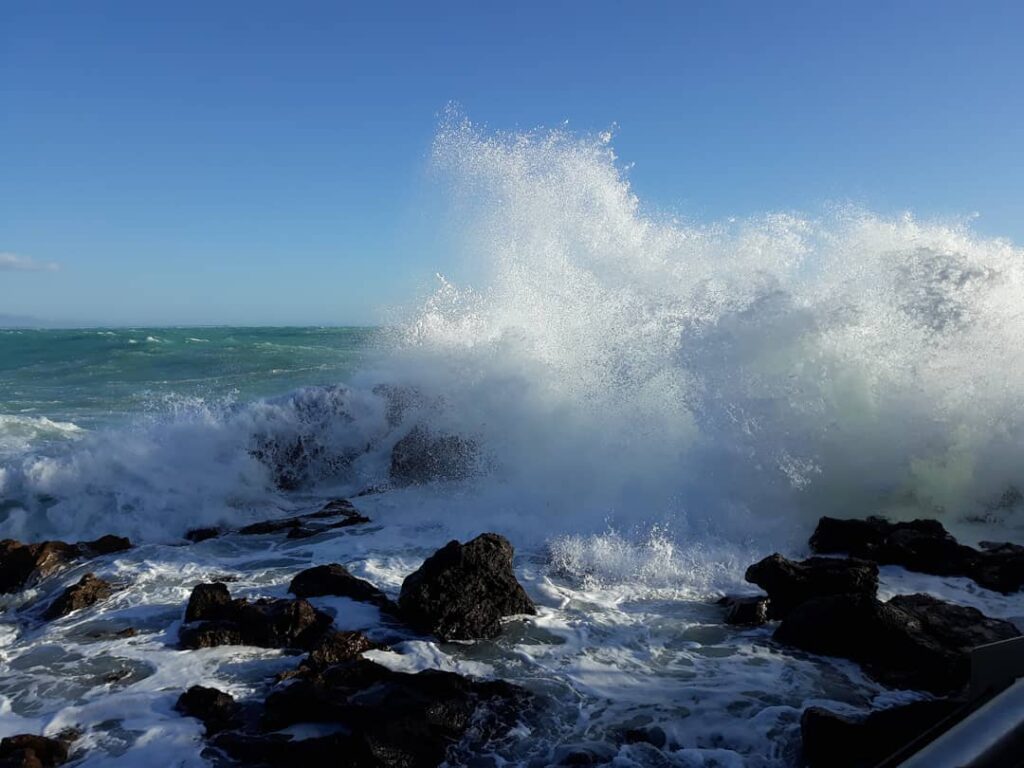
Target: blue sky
257, 162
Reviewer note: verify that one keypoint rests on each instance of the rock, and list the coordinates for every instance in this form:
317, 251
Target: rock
334, 579
302, 526
30, 751
213, 618
790, 583
336, 647
195, 535
917, 642
423, 457
924, 546
217, 710
831, 740
746, 611
89, 590
24, 564
462, 591
394, 718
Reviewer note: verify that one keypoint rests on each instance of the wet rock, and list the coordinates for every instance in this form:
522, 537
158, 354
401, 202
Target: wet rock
424, 457
214, 618
334, 579
832, 740
338, 646
89, 590
24, 564
394, 718
462, 591
195, 535
217, 710
746, 611
30, 751
914, 642
790, 583
340, 512
924, 546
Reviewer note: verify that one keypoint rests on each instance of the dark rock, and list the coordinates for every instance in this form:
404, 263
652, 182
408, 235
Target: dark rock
831, 740
924, 546
217, 710
916, 642
24, 564
338, 646
213, 618
462, 591
30, 751
790, 583
654, 736
195, 535
746, 611
423, 457
395, 718
334, 579
89, 590
301, 526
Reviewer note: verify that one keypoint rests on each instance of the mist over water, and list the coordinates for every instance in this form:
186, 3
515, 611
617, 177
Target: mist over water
672, 382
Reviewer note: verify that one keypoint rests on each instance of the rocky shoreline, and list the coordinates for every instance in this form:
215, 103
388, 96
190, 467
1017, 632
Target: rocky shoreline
365, 714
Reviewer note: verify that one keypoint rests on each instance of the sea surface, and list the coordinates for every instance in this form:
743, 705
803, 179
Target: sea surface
656, 404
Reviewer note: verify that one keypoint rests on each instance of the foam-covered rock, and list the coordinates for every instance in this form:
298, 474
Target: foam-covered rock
87, 591
22, 565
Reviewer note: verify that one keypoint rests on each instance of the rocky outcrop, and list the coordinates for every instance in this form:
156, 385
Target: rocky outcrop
339, 513
914, 641
924, 546
27, 750
213, 618
746, 611
22, 565
423, 457
462, 591
831, 740
217, 710
334, 579
790, 583
87, 591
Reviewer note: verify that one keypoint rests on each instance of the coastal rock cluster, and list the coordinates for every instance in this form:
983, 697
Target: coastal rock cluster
829, 606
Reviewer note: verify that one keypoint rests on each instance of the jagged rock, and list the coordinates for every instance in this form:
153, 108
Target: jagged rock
213, 618
790, 583
831, 740
302, 526
217, 710
394, 718
27, 750
336, 647
334, 579
89, 590
746, 611
424, 457
910, 642
24, 564
924, 546
462, 591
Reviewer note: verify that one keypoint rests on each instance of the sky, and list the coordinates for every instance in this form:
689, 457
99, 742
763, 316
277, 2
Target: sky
267, 162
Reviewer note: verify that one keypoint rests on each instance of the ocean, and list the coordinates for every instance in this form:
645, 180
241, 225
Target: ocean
656, 405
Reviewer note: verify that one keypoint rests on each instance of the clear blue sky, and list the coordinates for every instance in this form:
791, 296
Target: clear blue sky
258, 162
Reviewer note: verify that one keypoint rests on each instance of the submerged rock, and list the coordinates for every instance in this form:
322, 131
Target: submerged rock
87, 591
746, 611
213, 618
790, 583
914, 641
24, 564
924, 546
424, 457
340, 512
462, 591
334, 579
217, 710
832, 740
27, 750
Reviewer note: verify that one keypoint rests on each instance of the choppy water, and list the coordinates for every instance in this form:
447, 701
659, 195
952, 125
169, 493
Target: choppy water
657, 404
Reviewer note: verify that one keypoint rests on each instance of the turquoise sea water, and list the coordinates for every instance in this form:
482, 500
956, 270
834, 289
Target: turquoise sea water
96, 377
